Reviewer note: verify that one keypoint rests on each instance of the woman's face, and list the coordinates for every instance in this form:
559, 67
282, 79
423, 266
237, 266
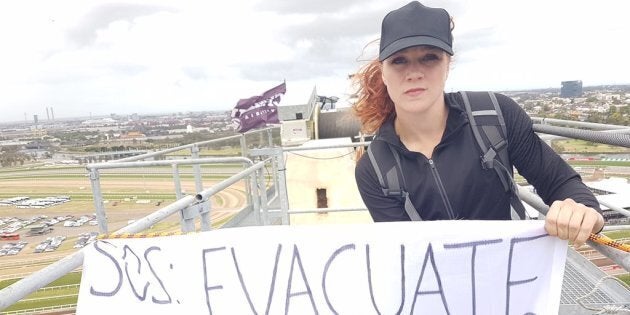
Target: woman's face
415, 78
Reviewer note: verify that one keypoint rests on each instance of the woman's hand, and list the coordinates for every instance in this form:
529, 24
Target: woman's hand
572, 221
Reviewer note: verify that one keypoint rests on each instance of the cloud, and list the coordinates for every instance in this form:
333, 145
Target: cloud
127, 69
195, 73
286, 70
357, 24
320, 6
319, 48
100, 17
169, 54
317, 58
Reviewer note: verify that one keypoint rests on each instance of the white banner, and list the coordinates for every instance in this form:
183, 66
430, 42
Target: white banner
442, 267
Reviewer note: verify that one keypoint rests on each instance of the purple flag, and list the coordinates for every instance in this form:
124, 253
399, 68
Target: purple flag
257, 111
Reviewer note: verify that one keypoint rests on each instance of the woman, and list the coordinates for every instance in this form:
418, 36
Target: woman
402, 99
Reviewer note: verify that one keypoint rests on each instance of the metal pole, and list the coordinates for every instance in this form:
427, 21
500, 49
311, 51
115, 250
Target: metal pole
326, 210
615, 208
255, 199
263, 197
244, 153
619, 257
187, 215
282, 186
333, 146
207, 193
174, 149
270, 137
159, 215
204, 207
98, 201
578, 124
612, 138
18, 290
169, 162
274, 174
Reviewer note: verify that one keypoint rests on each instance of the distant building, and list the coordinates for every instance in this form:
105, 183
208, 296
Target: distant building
571, 89
132, 135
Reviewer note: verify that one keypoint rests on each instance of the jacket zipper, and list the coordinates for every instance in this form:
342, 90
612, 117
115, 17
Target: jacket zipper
447, 203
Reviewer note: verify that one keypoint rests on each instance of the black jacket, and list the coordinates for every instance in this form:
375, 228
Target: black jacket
453, 185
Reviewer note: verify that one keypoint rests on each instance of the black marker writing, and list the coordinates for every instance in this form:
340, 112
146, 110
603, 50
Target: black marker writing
118, 269
328, 263
168, 296
509, 268
429, 257
402, 278
205, 278
472, 263
308, 292
143, 296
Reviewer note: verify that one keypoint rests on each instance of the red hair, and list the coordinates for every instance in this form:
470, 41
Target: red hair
374, 105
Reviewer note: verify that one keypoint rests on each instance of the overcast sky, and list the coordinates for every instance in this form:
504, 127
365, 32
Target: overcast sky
99, 57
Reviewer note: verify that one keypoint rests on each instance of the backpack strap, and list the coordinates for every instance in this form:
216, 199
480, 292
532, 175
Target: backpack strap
390, 175
488, 127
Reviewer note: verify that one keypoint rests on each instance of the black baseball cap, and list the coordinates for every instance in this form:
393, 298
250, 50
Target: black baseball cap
414, 25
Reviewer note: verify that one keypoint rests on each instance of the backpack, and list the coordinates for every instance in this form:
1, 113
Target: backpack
488, 127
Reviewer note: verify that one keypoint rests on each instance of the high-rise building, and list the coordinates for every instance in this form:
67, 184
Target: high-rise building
35, 120
571, 89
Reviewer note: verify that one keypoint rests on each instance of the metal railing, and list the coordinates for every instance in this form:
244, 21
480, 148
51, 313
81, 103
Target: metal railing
258, 204
31, 283
188, 215
42, 310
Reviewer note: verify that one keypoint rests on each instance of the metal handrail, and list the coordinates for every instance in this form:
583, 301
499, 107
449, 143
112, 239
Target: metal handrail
619, 257
43, 277
205, 194
190, 146
31, 283
613, 138
580, 124
41, 309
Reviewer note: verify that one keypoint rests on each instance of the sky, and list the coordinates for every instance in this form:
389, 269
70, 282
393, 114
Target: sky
94, 57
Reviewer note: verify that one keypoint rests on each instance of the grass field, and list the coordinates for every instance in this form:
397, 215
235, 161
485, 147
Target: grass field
617, 234
581, 146
599, 163
48, 297
121, 192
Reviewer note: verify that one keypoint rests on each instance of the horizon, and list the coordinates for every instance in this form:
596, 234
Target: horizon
89, 115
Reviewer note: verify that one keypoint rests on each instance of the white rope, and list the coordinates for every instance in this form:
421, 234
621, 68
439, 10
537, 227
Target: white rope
612, 309
606, 309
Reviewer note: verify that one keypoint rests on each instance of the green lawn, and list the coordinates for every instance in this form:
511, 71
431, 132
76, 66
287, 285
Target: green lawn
625, 278
617, 234
19, 306
581, 146
71, 278
599, 163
